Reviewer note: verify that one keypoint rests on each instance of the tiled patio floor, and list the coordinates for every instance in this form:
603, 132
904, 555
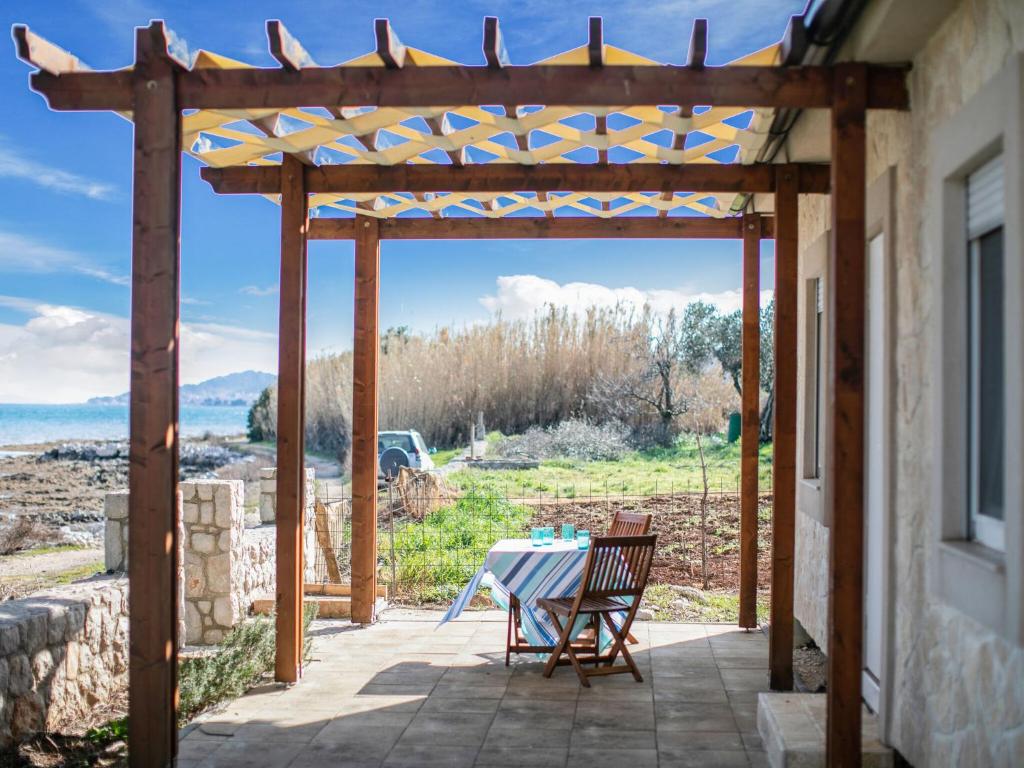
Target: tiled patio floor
403, 694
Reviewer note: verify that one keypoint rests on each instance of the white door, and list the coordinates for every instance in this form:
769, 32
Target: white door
876, 461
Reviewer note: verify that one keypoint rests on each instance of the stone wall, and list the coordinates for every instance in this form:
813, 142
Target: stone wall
213, 516
957, 687
268, 512
224, 564
62, 653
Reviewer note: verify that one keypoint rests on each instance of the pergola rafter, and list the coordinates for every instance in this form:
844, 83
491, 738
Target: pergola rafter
351, 138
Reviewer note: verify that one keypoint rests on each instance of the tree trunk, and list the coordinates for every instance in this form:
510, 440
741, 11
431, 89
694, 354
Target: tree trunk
703, 516
767, 414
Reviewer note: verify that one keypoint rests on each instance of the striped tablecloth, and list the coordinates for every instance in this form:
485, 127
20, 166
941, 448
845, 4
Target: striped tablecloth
530, 573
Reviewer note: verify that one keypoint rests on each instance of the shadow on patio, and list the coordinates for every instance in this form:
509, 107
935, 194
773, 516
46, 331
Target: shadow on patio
401, 693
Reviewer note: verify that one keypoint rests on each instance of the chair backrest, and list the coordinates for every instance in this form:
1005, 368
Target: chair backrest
617, 566
630, 524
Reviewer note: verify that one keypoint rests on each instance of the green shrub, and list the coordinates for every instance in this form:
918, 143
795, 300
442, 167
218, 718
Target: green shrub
246, 654
435, 557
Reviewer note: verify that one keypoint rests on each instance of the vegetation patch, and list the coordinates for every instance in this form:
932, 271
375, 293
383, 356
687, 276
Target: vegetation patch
670, 603
236, 665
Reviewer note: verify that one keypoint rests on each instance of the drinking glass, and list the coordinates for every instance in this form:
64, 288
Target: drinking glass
583, 539
549, 535
568, 531
537, 536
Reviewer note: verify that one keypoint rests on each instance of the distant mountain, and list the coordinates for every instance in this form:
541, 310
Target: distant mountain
240, 388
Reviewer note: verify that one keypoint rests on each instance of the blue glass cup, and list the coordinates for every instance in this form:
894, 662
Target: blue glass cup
568, 531
549, 535
537, 536
583, 539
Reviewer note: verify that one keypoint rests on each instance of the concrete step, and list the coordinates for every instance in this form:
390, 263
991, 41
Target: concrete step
792, 728
328, 606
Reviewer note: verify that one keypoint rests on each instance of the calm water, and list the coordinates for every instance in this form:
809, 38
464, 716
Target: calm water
20, 424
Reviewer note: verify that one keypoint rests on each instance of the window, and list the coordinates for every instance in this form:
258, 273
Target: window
977, 427
819, 378
985, 370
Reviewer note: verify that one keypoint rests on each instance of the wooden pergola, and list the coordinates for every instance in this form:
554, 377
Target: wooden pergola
367, 145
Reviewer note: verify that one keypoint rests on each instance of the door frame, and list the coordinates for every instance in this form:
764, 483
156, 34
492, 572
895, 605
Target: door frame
881, 220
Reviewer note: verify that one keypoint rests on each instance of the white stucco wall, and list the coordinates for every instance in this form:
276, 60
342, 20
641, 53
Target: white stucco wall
957, 687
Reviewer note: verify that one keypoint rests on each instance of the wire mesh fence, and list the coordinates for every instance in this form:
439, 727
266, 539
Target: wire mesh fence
430, 541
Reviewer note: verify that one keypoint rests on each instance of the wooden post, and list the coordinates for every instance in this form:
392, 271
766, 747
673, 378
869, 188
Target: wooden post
291, 363
153, 462
366, 346
751, 423
845, 485
780, 640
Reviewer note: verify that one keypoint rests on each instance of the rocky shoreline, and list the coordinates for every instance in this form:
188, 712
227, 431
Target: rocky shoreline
61, 486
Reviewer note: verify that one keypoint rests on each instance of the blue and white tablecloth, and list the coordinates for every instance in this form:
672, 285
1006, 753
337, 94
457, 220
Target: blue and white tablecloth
530, 573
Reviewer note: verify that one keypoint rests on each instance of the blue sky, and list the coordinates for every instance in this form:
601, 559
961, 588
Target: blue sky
65, 187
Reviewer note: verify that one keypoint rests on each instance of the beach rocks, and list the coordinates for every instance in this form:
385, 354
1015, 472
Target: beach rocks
194, 456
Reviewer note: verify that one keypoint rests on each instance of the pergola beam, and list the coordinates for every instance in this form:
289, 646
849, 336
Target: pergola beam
365, 354
153, 411
844, 495
526, 228
695, 58
804, 87
780, 639
751, 423
291, 482
513, 177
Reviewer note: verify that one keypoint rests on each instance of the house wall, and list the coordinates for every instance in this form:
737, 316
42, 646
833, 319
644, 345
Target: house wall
957, 687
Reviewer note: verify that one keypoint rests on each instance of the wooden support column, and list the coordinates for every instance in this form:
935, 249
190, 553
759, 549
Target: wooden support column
366, 346
845, 485
153, 461
751, 423
780, 640
291, 365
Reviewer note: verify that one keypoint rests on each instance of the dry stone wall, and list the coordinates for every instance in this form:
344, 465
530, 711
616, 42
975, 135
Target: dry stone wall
268, 512
62, 653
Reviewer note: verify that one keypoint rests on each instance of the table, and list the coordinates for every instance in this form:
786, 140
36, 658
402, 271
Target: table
529, 573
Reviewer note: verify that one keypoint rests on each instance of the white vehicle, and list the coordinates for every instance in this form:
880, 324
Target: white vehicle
398, 449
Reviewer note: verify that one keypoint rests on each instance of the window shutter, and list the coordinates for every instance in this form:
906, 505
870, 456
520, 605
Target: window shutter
985, 198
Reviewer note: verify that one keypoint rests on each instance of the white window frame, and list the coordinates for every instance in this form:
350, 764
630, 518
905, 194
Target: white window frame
812, 410
977, 580
982, 528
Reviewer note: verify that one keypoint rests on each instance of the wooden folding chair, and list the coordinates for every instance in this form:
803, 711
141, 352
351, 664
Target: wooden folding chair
630, 524
516, 641
617, 567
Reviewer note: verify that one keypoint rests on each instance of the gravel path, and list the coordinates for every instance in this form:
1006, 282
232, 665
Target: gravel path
47, 565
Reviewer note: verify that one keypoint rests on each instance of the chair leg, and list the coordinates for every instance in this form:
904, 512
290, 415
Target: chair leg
508, 639
619, 646
560, 646
564, 633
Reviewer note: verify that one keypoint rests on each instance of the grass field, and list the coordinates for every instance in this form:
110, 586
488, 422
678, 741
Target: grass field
657, 470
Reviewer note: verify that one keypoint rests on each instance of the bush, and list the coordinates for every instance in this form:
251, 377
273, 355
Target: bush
246, 654
571, 439
261, 420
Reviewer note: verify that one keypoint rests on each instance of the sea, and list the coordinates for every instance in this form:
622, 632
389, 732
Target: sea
23, 424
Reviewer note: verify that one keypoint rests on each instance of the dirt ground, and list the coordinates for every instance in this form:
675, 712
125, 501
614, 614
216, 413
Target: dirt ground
676, 521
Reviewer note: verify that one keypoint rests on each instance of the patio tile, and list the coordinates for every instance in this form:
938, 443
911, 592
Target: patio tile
633, 715
694, 716
444, 704
594, 756
745, 679
672, 743
503, 735
613, 738
527, 722
706, 759
335, 755
254, 754
522, 757
431, 756
447, 728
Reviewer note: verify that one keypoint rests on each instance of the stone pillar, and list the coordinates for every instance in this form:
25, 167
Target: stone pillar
115, 535
268, 513
214, 524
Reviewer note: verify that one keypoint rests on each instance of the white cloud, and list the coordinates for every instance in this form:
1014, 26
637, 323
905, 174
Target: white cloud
67, 354
16, 166
521, 296
19, 253
256, 290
